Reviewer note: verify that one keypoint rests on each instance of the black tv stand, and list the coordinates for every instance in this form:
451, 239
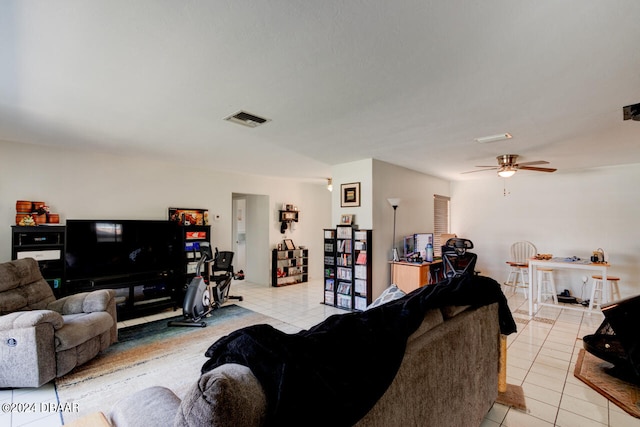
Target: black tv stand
137, 294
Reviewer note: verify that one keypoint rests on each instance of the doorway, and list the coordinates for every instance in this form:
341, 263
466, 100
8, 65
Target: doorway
250, 230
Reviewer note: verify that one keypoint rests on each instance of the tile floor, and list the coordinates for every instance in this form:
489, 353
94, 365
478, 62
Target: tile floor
541, 358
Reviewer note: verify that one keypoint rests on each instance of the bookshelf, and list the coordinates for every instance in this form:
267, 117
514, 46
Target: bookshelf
362, 269
289, 267
344, 266
347, 267
330, 266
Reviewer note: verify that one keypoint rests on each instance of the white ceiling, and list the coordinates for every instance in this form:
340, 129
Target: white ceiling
409, 82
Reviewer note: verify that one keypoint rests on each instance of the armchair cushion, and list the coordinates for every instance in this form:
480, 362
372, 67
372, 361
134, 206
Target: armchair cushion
85, 302
79, 327
229, 395
27, 319
150, 407
22, 287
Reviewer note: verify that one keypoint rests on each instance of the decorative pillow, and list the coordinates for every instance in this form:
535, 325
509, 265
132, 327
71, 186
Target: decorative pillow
392, 293
229, 395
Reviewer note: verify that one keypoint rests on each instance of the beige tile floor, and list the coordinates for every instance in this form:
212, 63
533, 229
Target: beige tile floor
541, 358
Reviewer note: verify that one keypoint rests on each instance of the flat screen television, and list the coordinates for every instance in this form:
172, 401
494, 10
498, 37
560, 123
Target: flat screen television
103, 249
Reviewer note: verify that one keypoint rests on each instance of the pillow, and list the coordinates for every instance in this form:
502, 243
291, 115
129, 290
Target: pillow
392, 293
229, 395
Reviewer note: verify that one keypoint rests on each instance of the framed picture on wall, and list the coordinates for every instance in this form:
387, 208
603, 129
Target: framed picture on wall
346, 219
350, 195
288, 244
189, 216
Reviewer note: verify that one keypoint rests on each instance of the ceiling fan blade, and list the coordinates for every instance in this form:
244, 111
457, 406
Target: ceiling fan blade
488, 168
485, 166
533, 168
537, 162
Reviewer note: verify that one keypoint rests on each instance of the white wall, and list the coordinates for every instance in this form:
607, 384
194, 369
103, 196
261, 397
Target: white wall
82, 184
564, 213
380, 181
414, 213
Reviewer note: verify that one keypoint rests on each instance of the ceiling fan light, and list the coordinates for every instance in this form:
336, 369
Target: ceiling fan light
506, 172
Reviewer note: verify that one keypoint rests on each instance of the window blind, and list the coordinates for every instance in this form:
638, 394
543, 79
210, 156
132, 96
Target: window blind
441, 206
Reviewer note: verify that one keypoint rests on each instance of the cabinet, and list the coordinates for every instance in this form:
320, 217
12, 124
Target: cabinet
329, 266
289, 267
46, 244
347, 267
411, 276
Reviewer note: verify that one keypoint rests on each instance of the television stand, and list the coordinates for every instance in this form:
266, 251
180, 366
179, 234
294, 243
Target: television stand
137, 295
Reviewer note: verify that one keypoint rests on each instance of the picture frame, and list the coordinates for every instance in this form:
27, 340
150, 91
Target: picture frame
350, 195
187, 217
346, 219
288, 244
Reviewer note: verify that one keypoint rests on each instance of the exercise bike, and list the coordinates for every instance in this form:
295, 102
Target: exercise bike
203, 296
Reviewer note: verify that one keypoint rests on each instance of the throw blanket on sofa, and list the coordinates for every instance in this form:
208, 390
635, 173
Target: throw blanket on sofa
333, 373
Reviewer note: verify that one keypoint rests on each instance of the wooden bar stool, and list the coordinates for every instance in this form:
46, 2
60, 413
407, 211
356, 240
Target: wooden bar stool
608, 292
518, 277
546, 284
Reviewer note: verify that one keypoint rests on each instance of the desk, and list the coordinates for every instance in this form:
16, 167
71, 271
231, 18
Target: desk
410, 276
559, 263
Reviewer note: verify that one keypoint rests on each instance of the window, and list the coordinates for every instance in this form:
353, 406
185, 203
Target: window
440, 221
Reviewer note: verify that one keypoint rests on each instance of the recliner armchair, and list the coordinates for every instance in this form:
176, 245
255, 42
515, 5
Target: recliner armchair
42, 338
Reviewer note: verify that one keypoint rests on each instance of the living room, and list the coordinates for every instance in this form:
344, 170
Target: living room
125, 122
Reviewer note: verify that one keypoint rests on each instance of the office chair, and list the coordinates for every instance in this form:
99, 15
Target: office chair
457, 261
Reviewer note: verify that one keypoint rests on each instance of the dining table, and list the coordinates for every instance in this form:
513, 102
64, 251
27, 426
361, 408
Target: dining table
574, 263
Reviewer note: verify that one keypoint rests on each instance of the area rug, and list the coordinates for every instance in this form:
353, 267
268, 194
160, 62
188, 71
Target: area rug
151, 354
593, 371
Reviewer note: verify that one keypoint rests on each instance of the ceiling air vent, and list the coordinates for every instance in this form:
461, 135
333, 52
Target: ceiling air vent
631, 112
247, 119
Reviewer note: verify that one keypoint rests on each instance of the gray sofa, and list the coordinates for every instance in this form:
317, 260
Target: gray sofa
42, 337
448, 377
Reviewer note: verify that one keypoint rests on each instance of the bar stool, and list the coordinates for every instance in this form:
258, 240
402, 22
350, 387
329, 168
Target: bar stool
518, 277
546, 284
607, 293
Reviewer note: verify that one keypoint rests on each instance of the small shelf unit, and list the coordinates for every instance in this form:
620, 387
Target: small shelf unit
45, 244
289, 266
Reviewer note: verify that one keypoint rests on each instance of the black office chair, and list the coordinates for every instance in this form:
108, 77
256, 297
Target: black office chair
457, 261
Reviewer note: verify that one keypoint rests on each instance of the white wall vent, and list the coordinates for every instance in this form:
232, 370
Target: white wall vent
247, 119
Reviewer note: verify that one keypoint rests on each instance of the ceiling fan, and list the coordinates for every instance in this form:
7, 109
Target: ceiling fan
507, 166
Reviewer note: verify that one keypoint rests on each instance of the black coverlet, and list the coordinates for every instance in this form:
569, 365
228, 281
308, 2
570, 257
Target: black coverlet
334, 373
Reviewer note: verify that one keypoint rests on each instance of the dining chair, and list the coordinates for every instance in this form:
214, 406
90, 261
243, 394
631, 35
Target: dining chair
520, 253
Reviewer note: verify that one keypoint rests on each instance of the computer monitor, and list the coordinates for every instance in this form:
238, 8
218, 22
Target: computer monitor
409, 245
421, 241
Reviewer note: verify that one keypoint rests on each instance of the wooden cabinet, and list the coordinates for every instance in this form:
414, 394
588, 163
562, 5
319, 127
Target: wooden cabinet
410, 276
289, 267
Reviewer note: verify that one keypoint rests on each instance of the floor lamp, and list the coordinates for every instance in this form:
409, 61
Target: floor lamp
394, 202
